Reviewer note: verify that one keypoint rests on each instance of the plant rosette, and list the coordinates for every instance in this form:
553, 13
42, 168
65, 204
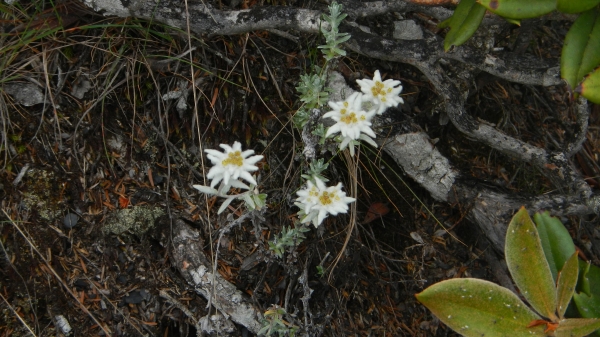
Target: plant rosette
474, 307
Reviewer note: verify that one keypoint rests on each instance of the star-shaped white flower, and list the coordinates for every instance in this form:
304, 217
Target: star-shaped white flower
317, 201
383, 94
352, 121
231, 165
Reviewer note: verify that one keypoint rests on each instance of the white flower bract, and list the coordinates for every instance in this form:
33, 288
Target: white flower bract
383, 94
317, 201
231, 165
352, 121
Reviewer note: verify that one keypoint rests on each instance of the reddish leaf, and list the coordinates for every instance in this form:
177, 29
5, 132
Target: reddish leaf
376, 211
123, 202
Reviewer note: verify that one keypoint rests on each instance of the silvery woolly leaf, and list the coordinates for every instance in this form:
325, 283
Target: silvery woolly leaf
225, 204
206, 189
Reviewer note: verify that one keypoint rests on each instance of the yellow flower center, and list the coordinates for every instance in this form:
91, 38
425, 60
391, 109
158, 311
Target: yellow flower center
378, 89
325, 198
233, 158
349, 119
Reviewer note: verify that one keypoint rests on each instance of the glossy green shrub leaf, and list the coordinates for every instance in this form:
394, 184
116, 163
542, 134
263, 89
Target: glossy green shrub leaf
565, 286
575, 6
588, 306
463, 23
589, 279
513, 21
528, 266
577, 327
519, 9
590, 87
474, 307
556, 241
581, 51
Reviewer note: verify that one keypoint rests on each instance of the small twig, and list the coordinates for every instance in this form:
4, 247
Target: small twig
181, 307
582, 111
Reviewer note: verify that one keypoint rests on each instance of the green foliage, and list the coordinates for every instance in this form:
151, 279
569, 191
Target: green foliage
463, 23
565, 286
556, 241
590, 87
320, 270
333, 38
289, 237
475, 307
315, 169
581, 49
313, 92
274, 323
527, 264
578, 6
519, 9
321, 132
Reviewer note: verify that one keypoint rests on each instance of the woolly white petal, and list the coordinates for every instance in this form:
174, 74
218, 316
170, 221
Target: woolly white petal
216, 180
333, 129
368, 140
226, 147
330, 114
322, 215
320, 184
248, 177
247, 153
345, 143
253, 160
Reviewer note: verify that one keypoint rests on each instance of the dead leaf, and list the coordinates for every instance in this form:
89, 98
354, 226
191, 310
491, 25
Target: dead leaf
376, 211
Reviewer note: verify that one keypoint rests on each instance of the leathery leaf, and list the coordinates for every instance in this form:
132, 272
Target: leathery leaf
577, 327
528, 266
567, 281
463, 23
590, 87
578, 6
474, 307
581, 50
556, 241
519, 9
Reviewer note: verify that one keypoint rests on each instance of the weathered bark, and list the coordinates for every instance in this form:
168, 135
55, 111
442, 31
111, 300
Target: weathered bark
188, 257
487, 207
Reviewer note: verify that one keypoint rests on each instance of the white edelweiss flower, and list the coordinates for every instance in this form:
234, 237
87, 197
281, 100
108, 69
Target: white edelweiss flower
318, 201
308, 196
231, 165
383, 94
351, 121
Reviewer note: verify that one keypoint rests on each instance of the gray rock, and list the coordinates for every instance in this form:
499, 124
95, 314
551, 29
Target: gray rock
407, 30
70, 220
27, 94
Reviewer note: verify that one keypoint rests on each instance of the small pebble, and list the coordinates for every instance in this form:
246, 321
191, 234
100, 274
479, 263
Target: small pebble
70, 220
